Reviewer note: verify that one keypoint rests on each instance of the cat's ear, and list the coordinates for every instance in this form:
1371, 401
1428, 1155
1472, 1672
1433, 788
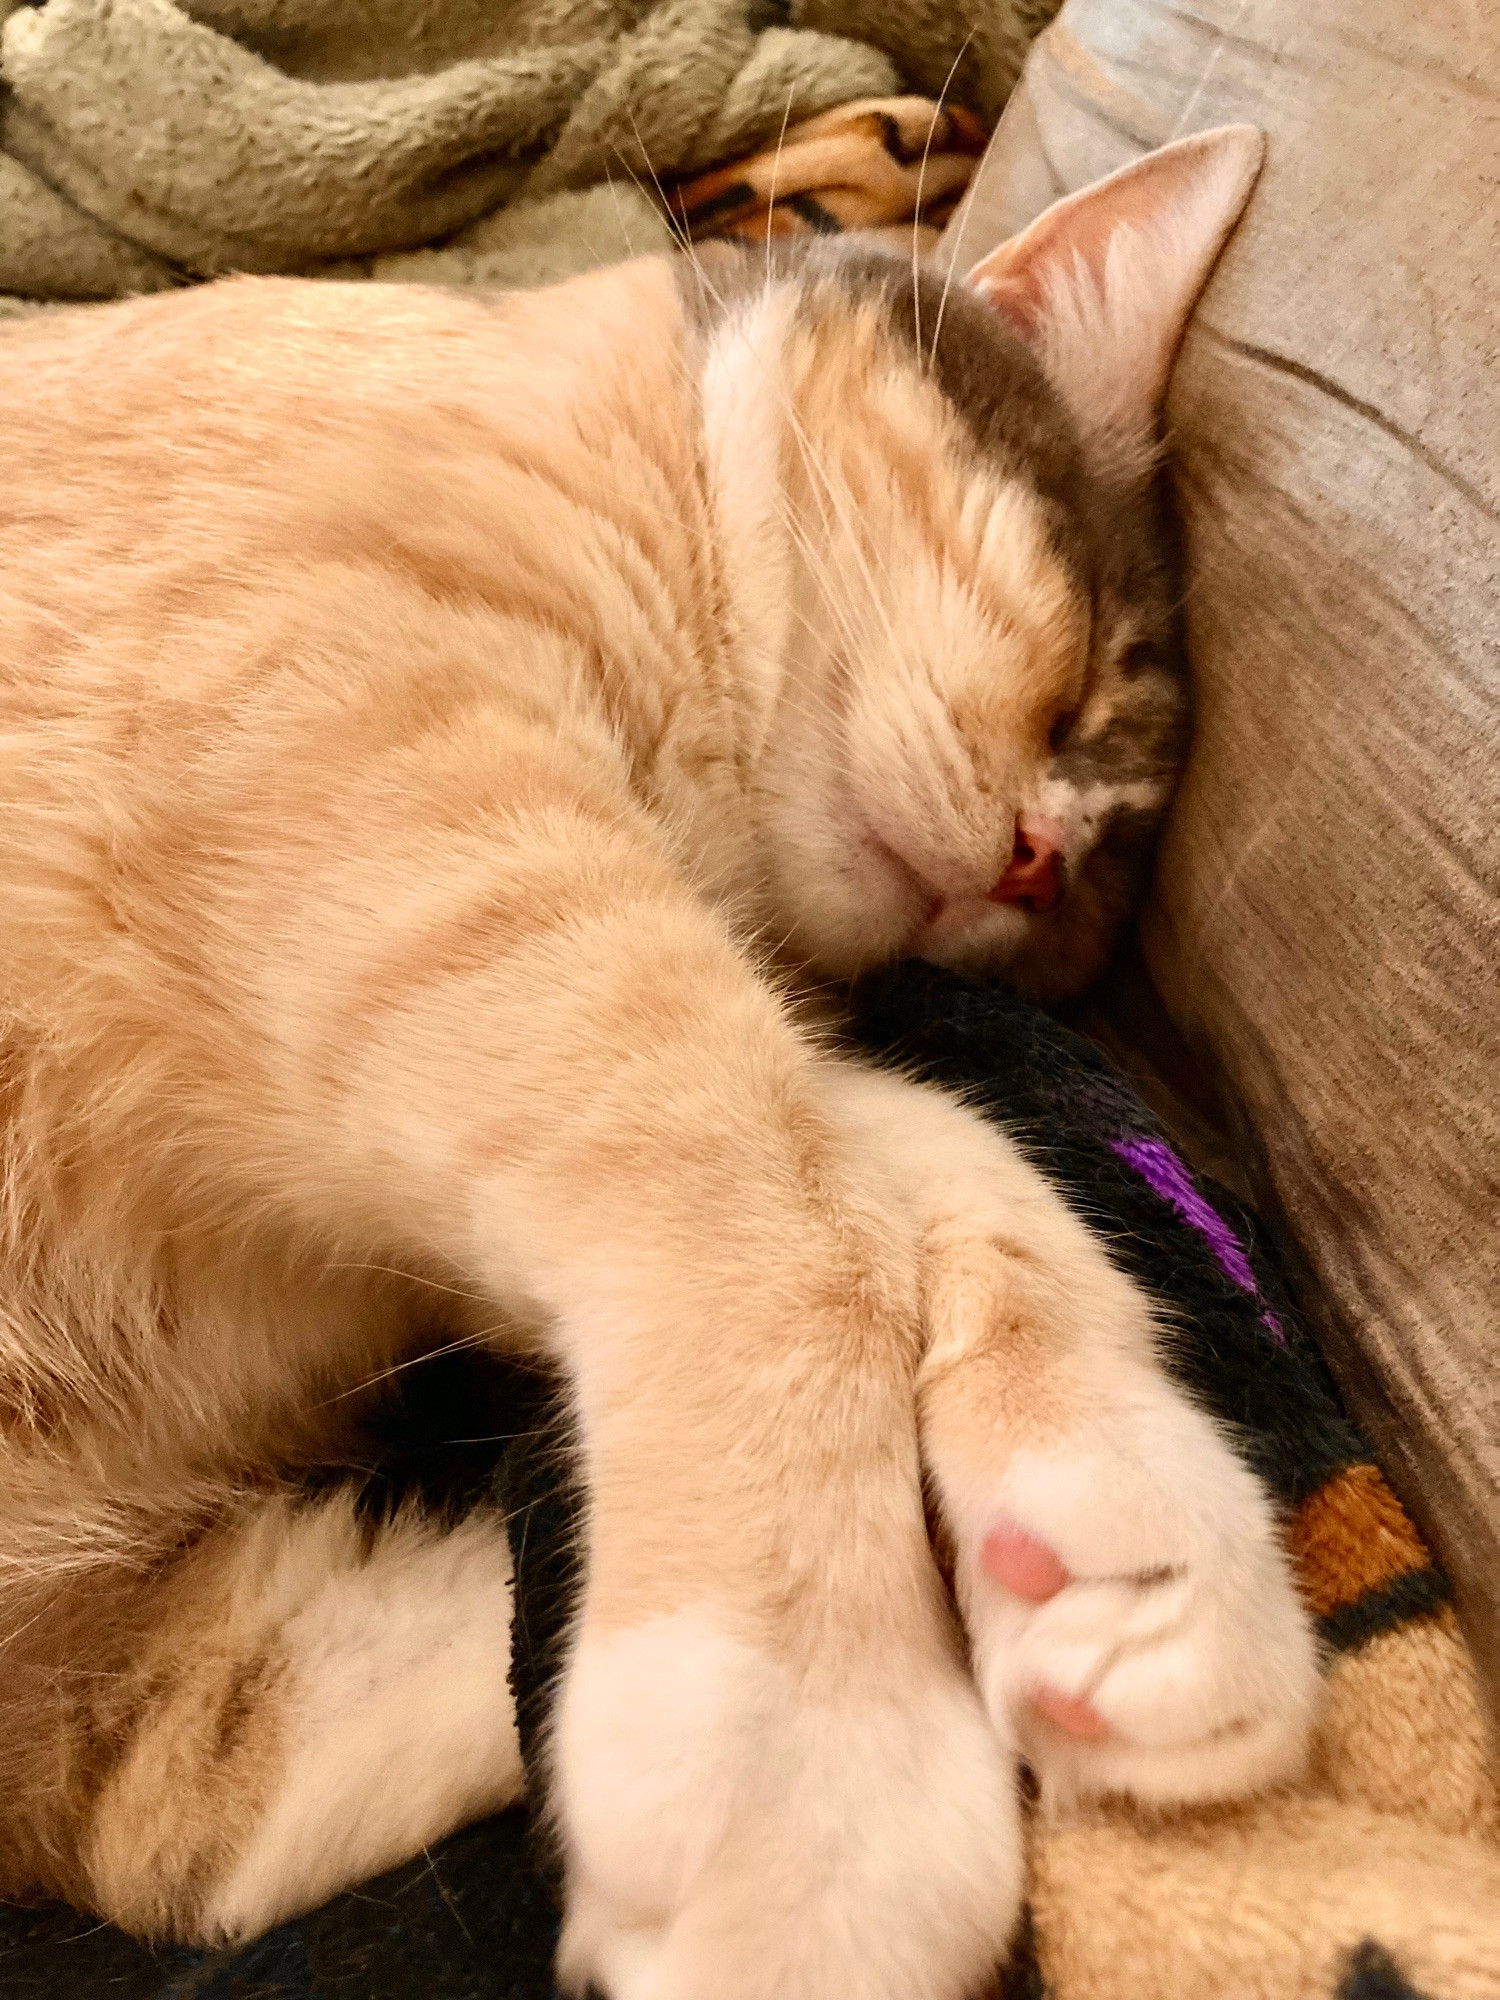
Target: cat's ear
1102, 284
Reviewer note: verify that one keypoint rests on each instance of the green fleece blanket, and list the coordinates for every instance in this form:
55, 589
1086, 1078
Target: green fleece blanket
145, 143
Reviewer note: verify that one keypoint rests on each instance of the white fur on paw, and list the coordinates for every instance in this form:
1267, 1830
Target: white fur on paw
1179, 1626
729, 1840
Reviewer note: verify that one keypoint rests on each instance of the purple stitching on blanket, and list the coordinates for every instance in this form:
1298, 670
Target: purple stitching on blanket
1162, 1171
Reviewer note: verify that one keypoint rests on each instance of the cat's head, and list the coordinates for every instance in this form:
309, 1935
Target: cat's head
949, 560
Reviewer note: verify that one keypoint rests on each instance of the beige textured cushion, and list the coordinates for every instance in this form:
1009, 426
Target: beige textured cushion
1326, 923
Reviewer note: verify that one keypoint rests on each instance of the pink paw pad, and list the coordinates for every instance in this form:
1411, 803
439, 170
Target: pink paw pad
1070, 1712
1027, 1568
1021, 1564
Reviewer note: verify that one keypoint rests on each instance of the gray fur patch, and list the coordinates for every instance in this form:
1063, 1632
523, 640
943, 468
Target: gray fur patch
1117, 536
1145, 741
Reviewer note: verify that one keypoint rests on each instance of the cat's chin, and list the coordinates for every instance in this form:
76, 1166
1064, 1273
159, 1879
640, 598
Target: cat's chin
1046, 959
1051, 972
971, 933
857, 908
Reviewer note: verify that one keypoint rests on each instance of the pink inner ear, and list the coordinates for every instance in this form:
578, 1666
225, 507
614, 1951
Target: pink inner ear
1101, 285
1018, 298
1070, 238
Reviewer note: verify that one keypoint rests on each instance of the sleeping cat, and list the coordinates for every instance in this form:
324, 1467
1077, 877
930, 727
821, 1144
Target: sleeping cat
437, 732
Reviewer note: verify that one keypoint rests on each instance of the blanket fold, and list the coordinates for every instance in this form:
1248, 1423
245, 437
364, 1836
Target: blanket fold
887, 167
144, 142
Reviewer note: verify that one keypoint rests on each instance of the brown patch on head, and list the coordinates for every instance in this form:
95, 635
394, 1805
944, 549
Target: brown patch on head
1013, 417
1021, 654
1125, 738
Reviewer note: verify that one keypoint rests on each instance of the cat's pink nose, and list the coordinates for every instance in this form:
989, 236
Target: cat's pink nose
1034, 877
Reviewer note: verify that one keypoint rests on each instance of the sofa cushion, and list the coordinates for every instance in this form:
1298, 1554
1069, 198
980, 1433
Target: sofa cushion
1325, 925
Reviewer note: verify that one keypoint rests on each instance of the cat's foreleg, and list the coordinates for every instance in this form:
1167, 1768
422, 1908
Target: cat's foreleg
773, 1778
1129, 1603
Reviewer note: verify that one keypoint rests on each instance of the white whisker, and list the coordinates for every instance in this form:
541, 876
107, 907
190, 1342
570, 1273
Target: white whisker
952, 259
479, 1339
771, 200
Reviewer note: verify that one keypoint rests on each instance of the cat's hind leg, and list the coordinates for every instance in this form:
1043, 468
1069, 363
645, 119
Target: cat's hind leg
1130, 1606
314, 1697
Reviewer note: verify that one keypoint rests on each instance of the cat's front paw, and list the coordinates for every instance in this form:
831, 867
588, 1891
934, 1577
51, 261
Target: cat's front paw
1132, 1613
732, 1834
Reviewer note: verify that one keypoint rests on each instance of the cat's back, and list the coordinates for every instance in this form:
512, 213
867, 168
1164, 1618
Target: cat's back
270, 365
192, 432
244, 524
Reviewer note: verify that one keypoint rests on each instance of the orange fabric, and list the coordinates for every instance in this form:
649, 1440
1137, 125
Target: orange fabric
896, 165
1352, 1537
